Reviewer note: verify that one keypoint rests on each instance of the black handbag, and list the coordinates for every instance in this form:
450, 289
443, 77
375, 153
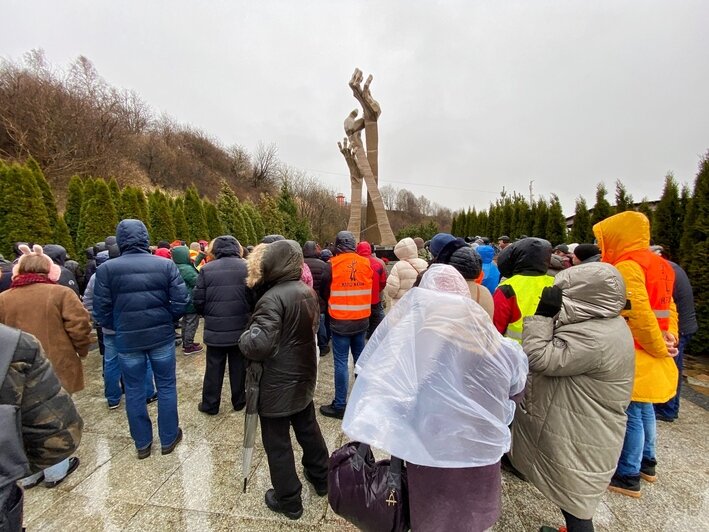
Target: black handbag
371, 495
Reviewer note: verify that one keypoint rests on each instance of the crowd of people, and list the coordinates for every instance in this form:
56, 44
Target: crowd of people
471, 357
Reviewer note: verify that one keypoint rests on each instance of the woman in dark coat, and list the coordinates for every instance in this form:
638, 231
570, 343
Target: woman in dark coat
281, 335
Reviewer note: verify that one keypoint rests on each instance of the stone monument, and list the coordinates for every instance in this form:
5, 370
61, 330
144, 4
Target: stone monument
363, 164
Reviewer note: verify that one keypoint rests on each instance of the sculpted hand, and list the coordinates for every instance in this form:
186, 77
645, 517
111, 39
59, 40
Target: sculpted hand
353, 124
348, 152
370, 106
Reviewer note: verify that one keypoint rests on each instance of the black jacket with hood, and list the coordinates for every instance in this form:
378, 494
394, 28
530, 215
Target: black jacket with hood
58, 254
317, 269
221, 295
281, 333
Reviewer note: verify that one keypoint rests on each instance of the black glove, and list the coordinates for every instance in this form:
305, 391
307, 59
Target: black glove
550, 302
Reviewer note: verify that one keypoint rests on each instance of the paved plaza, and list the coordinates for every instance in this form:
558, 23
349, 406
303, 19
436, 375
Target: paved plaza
199, 486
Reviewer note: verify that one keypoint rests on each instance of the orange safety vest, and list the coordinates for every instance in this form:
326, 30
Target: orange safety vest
659, 282
351, 288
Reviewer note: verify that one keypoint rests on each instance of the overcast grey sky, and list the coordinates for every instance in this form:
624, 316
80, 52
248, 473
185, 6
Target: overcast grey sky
475, 95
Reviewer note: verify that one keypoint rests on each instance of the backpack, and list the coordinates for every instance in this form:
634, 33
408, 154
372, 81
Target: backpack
13, 461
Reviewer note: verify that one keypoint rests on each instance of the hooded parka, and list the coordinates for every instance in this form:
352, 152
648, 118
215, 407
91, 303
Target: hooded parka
491, 274
624, 239
311, 253
221, 295
524, 265
58, 255
181, 257
281, 332
568, 431
137, 294
405, 272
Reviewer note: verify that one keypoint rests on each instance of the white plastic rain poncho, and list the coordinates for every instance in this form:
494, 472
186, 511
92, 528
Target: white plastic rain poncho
435, 380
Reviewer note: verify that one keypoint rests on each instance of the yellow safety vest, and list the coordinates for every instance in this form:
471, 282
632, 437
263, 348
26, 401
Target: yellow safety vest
528, 289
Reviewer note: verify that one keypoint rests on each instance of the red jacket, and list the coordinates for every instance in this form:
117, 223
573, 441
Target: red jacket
379, 280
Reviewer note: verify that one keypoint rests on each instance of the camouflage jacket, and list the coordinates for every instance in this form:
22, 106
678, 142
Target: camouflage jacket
51, 426
425, 254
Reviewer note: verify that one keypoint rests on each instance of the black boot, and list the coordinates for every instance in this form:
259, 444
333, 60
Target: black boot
274, 505
628, 485
647, 470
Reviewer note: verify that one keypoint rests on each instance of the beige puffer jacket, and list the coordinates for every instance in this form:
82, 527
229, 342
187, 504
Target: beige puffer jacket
404, 273
568, 432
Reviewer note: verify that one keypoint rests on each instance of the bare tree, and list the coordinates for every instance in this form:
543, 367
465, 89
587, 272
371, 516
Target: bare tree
424, 205
240, 162
406, 202
265, 165
388, 194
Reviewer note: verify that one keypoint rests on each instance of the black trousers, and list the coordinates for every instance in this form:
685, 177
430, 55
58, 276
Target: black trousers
99, 339
217, 358
275, 433
375, 318
574, 524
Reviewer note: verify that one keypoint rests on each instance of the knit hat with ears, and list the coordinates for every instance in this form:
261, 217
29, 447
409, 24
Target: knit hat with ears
53, 271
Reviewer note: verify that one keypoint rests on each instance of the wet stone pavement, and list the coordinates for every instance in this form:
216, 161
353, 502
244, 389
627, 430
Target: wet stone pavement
199, 486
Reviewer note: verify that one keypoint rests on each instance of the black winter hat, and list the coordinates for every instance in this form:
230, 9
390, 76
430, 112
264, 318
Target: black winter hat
270, 239
113, 251
345, 241
586, 251
164, 244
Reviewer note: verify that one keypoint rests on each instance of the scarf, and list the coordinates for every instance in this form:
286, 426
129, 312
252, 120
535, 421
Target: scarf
25, 279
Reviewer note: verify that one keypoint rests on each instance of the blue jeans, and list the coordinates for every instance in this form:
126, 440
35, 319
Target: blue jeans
670, 409
134, 366
341, 346
112, 373
324, 331
640, 435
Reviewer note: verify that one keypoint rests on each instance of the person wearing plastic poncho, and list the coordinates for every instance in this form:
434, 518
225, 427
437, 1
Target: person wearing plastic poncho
434, 388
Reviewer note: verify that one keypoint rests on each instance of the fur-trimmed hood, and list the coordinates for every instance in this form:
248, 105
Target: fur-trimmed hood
274, 263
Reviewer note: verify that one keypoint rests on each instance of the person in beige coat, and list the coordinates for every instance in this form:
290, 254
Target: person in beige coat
55, 316
568, 432
52, 313
405, 272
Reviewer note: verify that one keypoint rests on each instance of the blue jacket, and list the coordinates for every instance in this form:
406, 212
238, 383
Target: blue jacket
137, 294
491, 274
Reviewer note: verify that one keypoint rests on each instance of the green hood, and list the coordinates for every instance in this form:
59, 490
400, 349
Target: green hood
181, 255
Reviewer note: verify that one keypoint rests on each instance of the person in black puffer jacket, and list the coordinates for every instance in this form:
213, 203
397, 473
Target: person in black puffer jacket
75, 268
90, 267
221, 296
58, 254
311, 252
281, 335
